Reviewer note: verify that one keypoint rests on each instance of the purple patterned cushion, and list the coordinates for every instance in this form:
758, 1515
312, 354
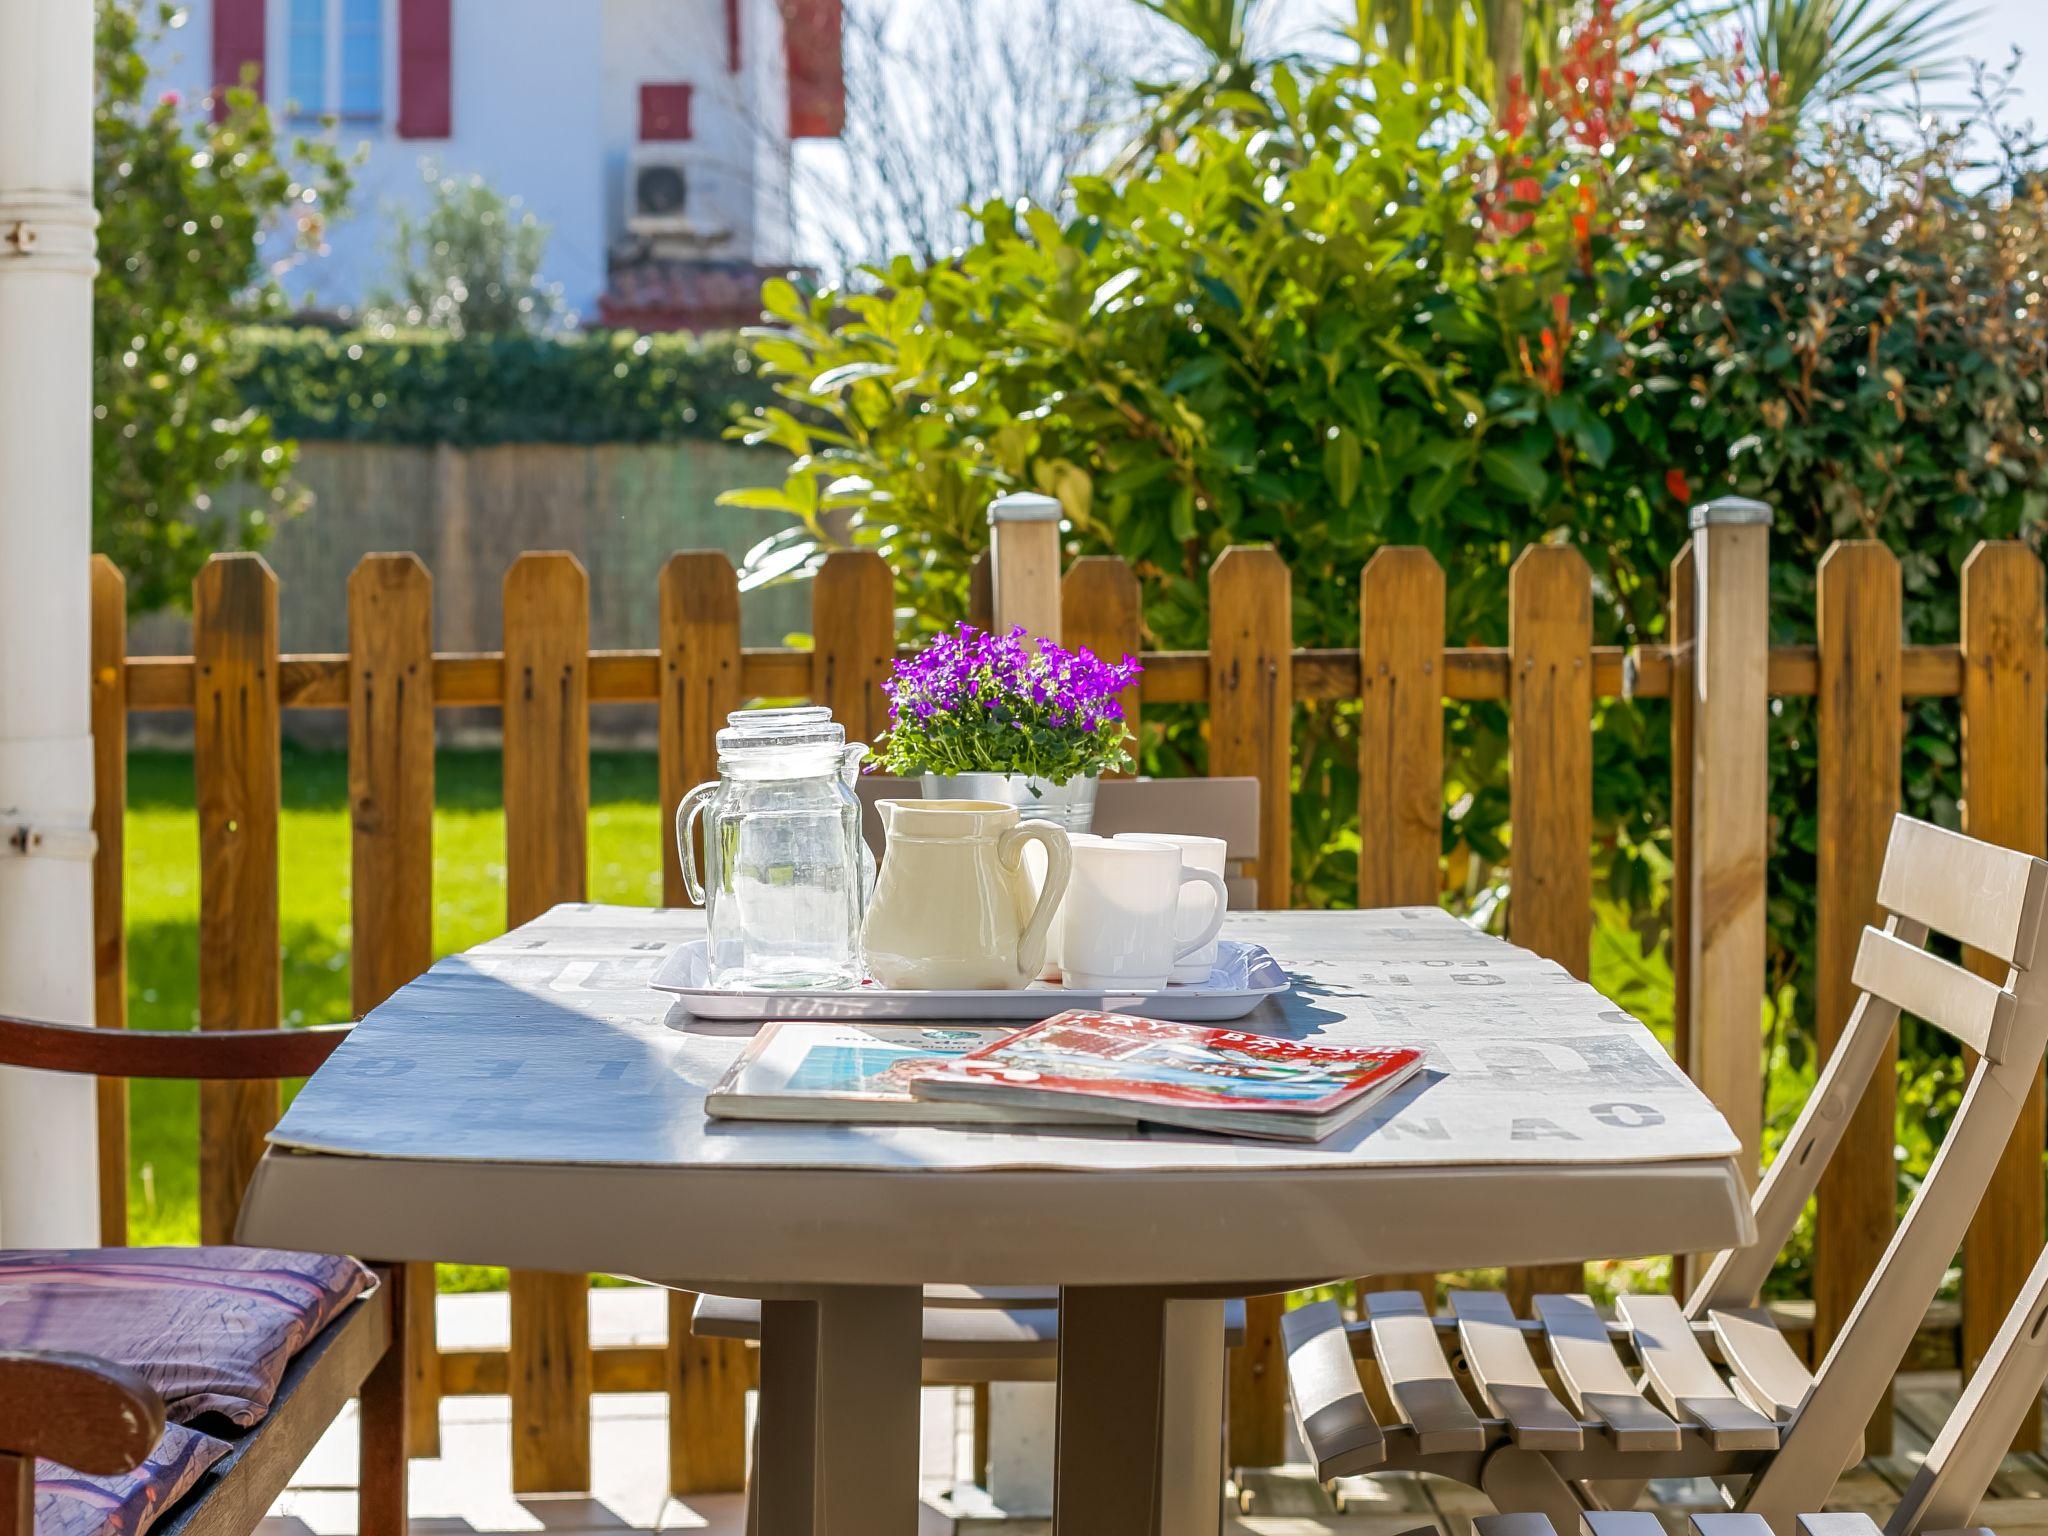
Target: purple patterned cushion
212, 1329
72, 1503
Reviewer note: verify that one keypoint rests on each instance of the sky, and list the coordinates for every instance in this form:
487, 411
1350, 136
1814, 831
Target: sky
2008, 24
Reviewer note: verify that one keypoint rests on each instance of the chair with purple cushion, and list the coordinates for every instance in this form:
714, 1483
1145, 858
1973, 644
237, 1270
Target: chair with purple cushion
176, 1390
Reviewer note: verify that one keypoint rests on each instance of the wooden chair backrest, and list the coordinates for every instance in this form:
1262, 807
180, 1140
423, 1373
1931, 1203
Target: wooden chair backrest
1991, 898
1227, 808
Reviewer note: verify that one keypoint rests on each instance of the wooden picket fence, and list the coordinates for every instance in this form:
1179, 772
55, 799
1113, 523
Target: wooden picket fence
1550, 674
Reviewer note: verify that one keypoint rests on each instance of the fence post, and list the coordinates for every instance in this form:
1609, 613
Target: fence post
2005, 800
1681, 633
547, 805
109, 907
235, 762
1100, 607
1251, 716
1401, 750
1024, 563
853, 632
1856, 1207
700, 686
1729, 793
391, 886
1550, 787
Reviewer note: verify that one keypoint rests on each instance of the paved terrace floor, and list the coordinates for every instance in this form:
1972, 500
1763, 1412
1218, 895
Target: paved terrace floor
466, 1491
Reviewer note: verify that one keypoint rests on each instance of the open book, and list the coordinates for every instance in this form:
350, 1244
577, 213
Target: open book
1116, 1067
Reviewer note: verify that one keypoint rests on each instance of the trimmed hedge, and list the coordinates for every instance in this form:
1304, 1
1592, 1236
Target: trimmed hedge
428, 387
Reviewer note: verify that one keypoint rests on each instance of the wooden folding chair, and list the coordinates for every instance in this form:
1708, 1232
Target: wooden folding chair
977, 1335
1710, 1388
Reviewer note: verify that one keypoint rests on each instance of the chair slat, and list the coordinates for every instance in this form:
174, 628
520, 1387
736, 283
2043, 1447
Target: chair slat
1975, 1011
1508, 1376
1329, 1400
1599, 1384
1728, 1525
1774, 1377
1990, 898
1837, 1523
1519, 1524
1622, 1522
1686, 1381
1418, 1377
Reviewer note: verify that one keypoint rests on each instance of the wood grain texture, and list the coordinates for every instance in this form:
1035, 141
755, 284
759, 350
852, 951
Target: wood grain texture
240, 1055
981, 591
78, 1409
547, 807
109, 893
1729, 788
1251, 697
853, 630
236, 769
1025, 576
1550, 789
706, 1379
1680, 634
1859, 625
391, 887
1101, 608
2005, 800
17, 1495
387, 1422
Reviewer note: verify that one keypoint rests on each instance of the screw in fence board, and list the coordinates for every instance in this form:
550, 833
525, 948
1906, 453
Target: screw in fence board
1024, 563
706, 1379
109, 915
2005, 800
853, 637
1251, 713
1099, 608
1729, 788
1401, 751
547, 807
235, 764
1859, 724
1681, 633
391, 823
1550, 788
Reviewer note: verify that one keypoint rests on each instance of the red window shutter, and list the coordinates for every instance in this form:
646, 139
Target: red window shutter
664, 113
237, 41
732, 37
817, 79
426, 93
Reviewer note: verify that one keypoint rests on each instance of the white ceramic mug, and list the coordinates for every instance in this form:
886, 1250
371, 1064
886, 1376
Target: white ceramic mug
1117, 925
1212, 854
1034, 867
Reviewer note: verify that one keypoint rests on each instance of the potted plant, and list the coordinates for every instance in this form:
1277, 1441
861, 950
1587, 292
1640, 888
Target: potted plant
1001, 717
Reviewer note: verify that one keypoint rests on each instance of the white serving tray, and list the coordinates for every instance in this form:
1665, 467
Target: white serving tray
1245, 975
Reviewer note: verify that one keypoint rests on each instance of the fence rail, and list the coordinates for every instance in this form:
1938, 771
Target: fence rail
1717, 672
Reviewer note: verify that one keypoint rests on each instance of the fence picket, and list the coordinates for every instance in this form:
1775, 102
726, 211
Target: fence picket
1681, 633
1100, 608
1401, 750
706, 1379
1251, 712
109, 926
391, 823
547, 805
2005, 800
235, 764
1550, 787
853, 630
1859, 794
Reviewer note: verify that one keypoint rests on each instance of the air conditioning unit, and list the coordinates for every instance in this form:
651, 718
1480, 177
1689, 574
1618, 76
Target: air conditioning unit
663, 200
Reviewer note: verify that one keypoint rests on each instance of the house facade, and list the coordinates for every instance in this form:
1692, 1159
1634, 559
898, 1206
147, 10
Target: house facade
652, 137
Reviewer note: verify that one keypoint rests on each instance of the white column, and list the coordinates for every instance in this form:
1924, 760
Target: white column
48, 1176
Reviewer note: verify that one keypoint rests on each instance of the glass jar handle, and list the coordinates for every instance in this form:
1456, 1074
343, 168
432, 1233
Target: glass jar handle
686, 845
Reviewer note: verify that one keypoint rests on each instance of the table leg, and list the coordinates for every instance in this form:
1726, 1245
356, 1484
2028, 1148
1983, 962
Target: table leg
870, 1366
1140, 1415
783, 1495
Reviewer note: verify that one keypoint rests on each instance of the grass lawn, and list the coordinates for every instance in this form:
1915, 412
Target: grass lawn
469, 906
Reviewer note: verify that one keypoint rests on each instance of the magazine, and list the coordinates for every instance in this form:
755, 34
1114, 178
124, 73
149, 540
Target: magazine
1118, 1067
859, 1073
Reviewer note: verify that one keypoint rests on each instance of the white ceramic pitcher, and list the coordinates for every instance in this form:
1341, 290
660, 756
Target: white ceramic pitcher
953, 907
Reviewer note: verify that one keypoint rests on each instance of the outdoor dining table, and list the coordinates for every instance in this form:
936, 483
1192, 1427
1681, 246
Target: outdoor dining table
534, 1103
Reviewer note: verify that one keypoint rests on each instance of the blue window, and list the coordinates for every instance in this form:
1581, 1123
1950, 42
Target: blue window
335, 59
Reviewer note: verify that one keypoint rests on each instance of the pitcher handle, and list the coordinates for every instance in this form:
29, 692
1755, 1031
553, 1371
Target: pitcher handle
1214, 926
686, 845
1059, 868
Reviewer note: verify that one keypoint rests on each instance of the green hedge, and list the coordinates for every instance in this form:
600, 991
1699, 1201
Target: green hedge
429, 387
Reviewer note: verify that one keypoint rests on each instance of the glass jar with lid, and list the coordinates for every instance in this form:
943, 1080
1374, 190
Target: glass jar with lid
785, 874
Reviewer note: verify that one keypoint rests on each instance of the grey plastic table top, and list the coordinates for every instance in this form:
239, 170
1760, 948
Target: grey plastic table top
534, 1103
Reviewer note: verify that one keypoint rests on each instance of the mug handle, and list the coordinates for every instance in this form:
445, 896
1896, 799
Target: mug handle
686, 846
1214, 881
1059, 868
